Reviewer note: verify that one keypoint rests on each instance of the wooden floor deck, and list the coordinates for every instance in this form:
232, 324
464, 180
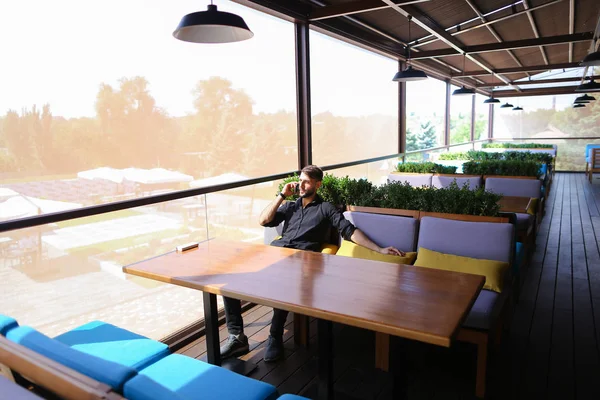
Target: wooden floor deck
551, 350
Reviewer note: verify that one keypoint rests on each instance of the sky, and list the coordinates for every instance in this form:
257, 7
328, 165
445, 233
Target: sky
69, 47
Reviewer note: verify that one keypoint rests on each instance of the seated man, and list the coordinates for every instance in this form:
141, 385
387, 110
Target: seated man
307, 222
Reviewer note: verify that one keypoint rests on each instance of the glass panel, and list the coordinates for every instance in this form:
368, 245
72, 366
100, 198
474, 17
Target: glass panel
425, 109
58, 276
542, 116
481, 117
130, 111
354, 112
233, 214
375, 172
460, 117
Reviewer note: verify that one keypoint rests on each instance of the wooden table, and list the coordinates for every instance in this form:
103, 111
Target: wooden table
514, 204
405, 301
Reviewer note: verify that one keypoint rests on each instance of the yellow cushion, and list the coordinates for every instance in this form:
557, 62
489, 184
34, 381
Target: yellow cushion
533, 205
329, 249
350, 249
492, 270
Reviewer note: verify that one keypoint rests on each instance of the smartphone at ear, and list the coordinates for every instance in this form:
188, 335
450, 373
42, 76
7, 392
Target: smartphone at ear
297, 188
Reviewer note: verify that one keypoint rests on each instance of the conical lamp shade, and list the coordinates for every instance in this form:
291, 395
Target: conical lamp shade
517, 108
585, 98
463, 91
491, 100
409, 74
591, 60
506, 105
212, 26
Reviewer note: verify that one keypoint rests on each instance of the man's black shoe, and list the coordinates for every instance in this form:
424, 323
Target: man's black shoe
237, 345
274, 349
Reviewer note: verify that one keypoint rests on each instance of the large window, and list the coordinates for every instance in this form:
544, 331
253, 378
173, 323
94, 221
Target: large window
119, 92
112, 107
460, 117
354, 102
542, 116
550, 119
482, 112
425, 109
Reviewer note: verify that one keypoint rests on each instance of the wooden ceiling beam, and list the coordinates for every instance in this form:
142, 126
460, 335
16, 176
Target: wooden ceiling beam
536, 82
536, 92
518, 70
355, 7
515, 44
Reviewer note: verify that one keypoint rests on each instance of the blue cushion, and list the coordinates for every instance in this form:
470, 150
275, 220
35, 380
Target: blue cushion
6, 324
181, 377
115, 344
519, 257
96, 368
292, 397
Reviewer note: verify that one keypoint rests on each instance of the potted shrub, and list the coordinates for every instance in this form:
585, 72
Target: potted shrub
418, 174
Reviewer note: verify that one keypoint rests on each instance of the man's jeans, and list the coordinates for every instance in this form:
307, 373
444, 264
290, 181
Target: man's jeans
235, 323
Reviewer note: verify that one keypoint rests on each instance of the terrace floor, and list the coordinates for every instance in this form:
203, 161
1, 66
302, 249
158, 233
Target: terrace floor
551, 350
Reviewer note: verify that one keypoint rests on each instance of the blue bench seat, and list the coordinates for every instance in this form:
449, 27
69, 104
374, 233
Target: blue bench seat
178, 377
108, 372
6, 324
115, 344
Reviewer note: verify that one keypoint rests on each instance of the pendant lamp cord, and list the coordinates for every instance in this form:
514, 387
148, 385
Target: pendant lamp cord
408, 44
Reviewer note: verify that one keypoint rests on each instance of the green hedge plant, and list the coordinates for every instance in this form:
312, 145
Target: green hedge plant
360, 192
473, 155
516, 146
502, 167
425, 168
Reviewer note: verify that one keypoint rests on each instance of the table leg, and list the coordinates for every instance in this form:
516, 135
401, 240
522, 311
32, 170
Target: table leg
211, 321
325, 349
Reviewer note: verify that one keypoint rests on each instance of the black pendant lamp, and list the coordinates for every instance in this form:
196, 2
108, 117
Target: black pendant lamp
409, 74
586, 98
578, 105
518, 108
492, 100
212, 26
506, 105
463, 91
591, 86
591, 60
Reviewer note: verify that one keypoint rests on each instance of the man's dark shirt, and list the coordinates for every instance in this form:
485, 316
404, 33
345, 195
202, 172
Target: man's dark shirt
308, 228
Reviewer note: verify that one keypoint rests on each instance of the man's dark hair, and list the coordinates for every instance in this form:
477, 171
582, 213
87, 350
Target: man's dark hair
313, 172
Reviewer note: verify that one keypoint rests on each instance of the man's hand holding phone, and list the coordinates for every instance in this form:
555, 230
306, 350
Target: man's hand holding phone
291, 188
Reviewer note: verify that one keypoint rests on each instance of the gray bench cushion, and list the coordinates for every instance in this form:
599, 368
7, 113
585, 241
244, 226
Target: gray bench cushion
416, 180
524, 221
386, 230
484, 310
10, 390
485, 240
514, 187
445, 181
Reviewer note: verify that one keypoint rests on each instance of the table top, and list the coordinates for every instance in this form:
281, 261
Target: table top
411, 302
514, 204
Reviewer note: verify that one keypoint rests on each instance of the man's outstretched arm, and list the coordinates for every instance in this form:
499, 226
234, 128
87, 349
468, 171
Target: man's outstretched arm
361, 239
